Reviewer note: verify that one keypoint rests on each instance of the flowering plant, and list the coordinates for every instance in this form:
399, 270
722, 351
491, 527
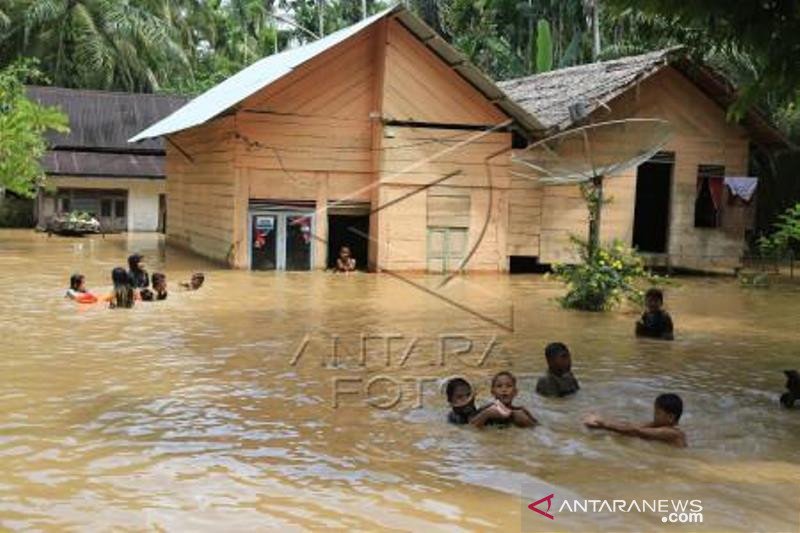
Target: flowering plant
603, 278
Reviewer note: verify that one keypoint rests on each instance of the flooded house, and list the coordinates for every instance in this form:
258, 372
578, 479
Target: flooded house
690, 206
384, 138
94, 169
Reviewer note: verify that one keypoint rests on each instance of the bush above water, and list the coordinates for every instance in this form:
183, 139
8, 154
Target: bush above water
603, 279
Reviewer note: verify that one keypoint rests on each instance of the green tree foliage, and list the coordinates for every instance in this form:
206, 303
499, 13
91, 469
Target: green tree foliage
544, 47
23, 124
766, 32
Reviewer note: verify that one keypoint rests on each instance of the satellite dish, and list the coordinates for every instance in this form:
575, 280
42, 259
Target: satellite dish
588, 154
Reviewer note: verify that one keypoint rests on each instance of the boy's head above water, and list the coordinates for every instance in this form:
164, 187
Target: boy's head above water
654, 300
559, 360
135, 261
504, 387
459, 392
198, 278
667, 410
77, 282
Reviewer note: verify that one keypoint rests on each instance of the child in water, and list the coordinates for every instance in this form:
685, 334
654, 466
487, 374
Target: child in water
664, 427
122, 296
139, 279
503, 412
655, 322
558, 381
345, 262
159, 291
195, 282
461, 400
77, 290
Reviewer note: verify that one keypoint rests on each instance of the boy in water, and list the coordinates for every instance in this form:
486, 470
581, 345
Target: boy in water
664, 427
502, 411
198, 278
77, 290
137, 275
159, 291
655, 322
558, 381
461, 400
345, 262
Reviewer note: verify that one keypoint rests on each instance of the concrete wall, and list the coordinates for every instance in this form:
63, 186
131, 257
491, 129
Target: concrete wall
142, 208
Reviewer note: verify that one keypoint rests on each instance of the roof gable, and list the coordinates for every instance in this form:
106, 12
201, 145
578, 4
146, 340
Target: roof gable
272, 68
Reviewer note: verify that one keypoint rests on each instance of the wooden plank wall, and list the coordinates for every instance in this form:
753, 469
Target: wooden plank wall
200, 192
406, 170
701, 136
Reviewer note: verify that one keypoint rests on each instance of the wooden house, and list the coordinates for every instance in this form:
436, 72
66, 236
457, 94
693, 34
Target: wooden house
384, 138
676, 208
94, 169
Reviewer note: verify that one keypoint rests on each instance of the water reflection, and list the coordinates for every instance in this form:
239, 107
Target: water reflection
188, 414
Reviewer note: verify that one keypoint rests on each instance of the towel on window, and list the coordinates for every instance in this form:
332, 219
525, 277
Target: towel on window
744, 188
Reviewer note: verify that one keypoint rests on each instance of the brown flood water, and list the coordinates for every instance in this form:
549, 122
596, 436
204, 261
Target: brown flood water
188, 414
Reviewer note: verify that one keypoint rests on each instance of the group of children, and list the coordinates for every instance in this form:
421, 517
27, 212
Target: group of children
129, 286
559, 381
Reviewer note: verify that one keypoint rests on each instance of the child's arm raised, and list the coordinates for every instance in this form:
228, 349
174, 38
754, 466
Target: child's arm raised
495, 411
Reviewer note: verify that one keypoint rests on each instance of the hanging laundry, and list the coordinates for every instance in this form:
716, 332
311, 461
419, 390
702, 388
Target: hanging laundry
743, 187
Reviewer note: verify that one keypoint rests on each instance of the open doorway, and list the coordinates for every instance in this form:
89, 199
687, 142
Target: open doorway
348, 230
651, 214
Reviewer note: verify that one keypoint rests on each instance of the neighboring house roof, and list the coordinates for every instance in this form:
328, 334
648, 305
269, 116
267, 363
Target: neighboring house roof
100, 124
548, 96
270, 69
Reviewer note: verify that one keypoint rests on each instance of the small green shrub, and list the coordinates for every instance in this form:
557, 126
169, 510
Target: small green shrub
786, 235
603, 279
16, 212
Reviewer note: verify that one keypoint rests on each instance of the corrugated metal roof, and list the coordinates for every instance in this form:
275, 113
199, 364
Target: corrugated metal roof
262, 73
107, 165
105, 119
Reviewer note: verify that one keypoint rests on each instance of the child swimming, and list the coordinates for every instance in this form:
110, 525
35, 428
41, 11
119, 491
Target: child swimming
77, 290
502, 411
197, 280
122, 296
461, 400
159, 286
655, 322
559, 380
664, 427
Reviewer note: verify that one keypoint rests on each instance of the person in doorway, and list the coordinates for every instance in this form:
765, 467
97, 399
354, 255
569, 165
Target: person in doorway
159, 291
77, 290
502, 411
461, 400
196, 281
667, 412
655, 322
559, 380
122, 295
139, 278
345, 262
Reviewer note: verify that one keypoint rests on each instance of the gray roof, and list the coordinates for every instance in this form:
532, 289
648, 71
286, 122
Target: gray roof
549, 95
270, 69
100, 123
105, 119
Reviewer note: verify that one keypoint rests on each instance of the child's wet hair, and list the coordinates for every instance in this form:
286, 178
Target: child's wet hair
199, 275
75, 281
119, 276
658, 294
134, 260
670, 403
158, 277
554, 349
454, 384
506, 373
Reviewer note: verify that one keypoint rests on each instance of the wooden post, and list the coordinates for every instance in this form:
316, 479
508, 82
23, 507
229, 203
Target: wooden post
595, 204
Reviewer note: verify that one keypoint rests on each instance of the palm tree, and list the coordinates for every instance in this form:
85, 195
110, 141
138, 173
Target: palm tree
106, 44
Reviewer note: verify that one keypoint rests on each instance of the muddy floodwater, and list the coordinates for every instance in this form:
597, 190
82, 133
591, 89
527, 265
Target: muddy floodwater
247, 405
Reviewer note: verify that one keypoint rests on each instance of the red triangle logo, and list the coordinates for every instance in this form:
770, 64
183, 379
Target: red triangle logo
549, 500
